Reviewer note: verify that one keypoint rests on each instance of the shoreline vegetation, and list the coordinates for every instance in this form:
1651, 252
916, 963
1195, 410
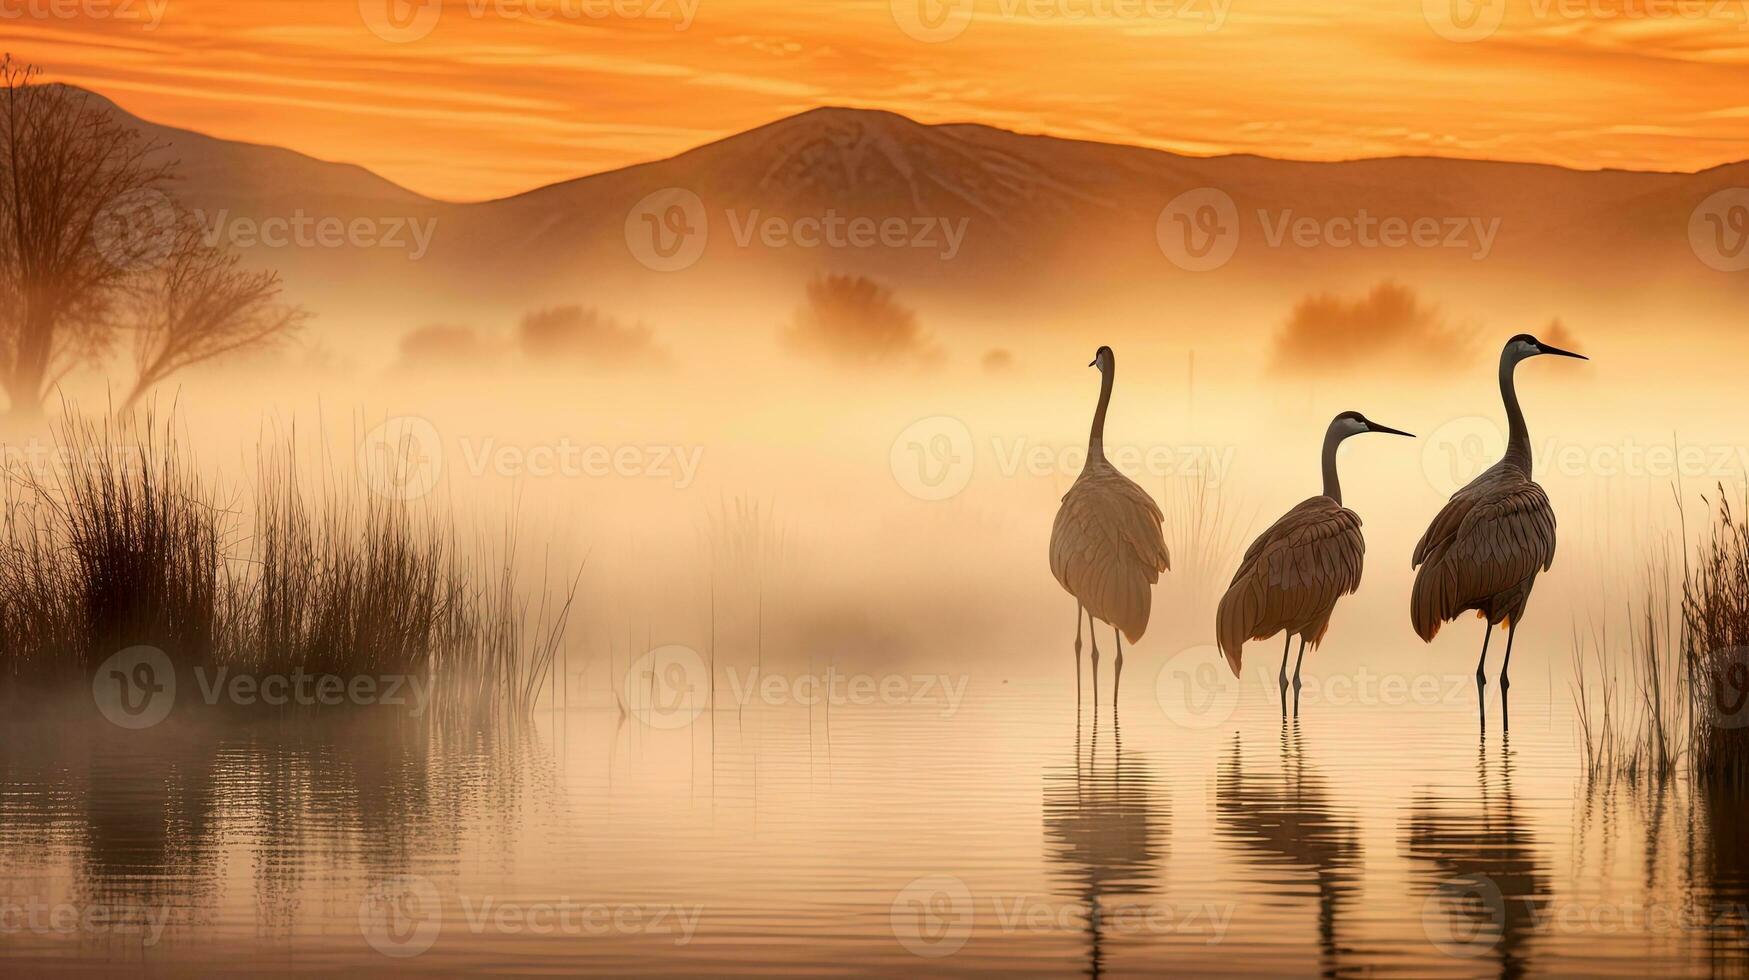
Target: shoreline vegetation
1680, 706
115, 549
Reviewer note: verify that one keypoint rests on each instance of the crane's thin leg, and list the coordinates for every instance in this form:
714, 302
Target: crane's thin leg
1078, 610
1285, 647
1505, 682
1297, 661
1117, 677
1481, 678
1093, 634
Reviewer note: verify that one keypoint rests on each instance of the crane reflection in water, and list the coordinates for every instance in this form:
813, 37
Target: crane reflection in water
1482, 881
1107, 825
1288, 822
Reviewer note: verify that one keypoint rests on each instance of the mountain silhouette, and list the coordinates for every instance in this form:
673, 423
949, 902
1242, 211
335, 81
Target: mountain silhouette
1035, 215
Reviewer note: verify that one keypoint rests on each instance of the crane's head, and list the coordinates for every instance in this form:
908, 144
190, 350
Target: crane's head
1353, 424
1103, 359
1525, 346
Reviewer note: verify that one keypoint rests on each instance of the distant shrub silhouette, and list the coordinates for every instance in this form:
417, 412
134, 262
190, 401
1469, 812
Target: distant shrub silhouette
855, 320
441, 346
1327, 333
1557, 333
579, 334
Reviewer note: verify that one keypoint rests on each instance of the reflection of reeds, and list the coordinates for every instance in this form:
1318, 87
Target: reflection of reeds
1634, 726
1691, 669
128, 548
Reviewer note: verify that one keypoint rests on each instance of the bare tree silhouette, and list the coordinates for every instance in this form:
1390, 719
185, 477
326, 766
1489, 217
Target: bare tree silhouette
203, 304
90, 239
78, 200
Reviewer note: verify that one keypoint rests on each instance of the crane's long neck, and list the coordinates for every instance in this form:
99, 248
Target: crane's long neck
1096, 439
1518, 435
1332, 485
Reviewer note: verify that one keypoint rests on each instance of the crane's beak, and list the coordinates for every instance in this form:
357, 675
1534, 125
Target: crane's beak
1093, 363
1375, 427
1546, 349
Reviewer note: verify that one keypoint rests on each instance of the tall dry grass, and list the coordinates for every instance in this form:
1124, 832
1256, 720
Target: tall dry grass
1715, 634
122, 544
1206, 537
1681, 704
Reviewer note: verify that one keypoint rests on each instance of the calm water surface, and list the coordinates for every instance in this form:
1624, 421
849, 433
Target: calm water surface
907, 839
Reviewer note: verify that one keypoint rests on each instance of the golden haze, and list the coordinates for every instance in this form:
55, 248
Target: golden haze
504, 95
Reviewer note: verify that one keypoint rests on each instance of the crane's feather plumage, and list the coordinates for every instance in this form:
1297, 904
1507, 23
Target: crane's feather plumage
1291, 577
1483, 551
1108, 547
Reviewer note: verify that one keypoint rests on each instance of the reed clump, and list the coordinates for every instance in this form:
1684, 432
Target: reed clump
118, 543
1685, 705
1715, 647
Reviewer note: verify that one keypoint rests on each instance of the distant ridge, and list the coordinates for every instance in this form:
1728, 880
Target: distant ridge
1038, 213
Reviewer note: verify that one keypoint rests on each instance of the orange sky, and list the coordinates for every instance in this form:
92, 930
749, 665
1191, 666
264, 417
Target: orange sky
471, 99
